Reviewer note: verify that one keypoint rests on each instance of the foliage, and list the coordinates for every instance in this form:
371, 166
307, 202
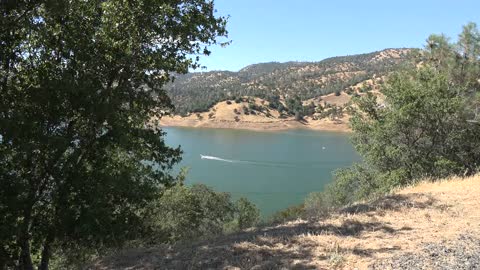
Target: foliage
248, 214
189, 212
423, 130
80, 82
290, 213
186, 213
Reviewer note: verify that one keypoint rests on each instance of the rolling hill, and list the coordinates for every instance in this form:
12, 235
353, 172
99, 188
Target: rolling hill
198, 92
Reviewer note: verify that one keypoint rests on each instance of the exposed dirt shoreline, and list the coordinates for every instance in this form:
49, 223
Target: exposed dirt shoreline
258, 124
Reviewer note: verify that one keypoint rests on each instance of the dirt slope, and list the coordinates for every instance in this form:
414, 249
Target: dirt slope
428, 226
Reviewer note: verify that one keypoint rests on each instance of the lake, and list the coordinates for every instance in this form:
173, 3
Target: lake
274, 170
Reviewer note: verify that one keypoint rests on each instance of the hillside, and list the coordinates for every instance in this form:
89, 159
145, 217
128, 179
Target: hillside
256, 114
197, 92
427, 226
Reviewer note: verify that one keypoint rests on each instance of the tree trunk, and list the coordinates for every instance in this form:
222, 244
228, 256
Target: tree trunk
46, 252
25, 256
25, 260
3, 258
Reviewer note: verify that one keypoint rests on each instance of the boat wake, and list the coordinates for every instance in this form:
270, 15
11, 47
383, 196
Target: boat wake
260, 163
218, 159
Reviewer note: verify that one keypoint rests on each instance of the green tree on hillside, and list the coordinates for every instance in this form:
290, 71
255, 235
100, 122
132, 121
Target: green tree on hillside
423, 129
80, 82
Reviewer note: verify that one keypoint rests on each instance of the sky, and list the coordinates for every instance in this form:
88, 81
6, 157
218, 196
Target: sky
312, 30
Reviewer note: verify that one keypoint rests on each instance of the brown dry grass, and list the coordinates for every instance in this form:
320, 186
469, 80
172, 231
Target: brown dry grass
350, 239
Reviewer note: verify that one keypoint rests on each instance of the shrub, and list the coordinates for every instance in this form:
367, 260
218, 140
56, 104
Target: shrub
177, 215
291, 213
198, 212
248, 214
238, 100
245, 110
317, 204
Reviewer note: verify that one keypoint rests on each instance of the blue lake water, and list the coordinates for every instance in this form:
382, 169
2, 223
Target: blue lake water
274, 170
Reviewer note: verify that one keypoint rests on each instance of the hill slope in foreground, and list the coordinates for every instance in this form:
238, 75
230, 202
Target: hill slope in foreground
428, 226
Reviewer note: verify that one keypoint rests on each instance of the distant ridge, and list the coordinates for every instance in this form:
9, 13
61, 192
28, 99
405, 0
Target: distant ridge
198, 91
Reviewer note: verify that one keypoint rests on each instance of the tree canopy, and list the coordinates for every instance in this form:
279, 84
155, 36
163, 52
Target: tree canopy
426, 127
80, 82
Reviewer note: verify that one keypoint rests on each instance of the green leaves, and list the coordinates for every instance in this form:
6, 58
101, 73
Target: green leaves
248, 214
422, 129
186, 213
80, 82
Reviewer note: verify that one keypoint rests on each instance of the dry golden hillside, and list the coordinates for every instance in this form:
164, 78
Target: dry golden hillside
427, 226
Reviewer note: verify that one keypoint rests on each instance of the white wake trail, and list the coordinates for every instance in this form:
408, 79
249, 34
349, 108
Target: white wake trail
216, 158
259, 163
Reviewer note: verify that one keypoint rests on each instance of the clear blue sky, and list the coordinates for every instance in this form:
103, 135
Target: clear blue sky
311, 30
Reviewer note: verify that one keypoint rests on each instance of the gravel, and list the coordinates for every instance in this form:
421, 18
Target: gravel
462, 253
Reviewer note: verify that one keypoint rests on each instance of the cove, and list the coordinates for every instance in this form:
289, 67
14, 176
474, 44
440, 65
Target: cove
274, 170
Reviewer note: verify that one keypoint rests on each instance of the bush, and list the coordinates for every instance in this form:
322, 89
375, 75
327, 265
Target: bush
255, 107
245, 110
194, 212
291, 213
424, 131
177, 215
248, 214
317, 204
190, 212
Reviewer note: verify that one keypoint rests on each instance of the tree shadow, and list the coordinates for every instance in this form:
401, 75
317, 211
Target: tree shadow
395, 202
285, 246
264, 248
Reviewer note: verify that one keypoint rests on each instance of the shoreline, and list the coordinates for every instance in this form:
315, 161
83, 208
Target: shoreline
270, 126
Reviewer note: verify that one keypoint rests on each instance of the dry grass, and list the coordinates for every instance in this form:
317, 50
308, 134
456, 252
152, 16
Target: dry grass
351, 239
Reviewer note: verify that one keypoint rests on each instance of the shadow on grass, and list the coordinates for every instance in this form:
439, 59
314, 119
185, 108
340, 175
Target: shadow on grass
395, 202
264, 248
273, 247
